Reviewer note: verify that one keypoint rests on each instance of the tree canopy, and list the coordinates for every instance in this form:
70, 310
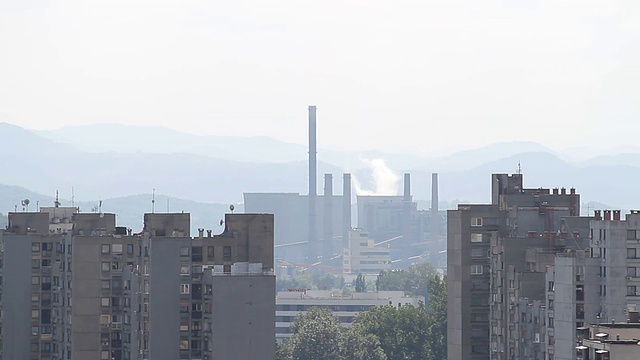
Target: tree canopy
384, 332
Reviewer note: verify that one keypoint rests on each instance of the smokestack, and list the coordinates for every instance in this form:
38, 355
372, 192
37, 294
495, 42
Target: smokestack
406, 208
407, 187
435, 216
313, 188
327, 234
346, 209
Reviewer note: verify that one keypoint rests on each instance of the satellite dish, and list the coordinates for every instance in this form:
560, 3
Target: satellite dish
26, 202
231, 207
221, 222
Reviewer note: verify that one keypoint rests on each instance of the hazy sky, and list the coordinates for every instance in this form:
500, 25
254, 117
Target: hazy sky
423, 75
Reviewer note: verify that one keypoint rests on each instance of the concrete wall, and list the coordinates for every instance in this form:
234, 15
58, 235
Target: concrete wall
243, 317
164, 302
86, 308
16, 297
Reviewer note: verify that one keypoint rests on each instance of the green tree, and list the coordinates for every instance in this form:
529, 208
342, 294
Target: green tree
316, 335
414, 280
282, 351
401, 331
437, 319
361, 284
355, 343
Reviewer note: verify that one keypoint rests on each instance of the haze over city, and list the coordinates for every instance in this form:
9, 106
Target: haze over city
428, 77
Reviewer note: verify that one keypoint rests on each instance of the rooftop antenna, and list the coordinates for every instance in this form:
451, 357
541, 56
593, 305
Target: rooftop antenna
168, 207
73, 198
57, 202
100, 209
25, 205
519, 168
153, 201
231, 207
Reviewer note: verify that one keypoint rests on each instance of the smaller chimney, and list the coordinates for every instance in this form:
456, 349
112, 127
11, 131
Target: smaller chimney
597, 214
607, 215
200, 232
555, 191
563, 191
616, 215
573, 191
209, 233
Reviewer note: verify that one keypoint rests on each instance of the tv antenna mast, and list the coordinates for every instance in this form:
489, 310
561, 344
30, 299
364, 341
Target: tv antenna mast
153, 201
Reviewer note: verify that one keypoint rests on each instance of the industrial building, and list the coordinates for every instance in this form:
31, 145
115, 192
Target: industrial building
83, 288
315, 228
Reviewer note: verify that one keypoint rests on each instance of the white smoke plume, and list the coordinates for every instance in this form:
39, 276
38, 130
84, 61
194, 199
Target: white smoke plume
385, 180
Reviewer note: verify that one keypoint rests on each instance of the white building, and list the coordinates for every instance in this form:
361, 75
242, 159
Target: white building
363, 256
290, 304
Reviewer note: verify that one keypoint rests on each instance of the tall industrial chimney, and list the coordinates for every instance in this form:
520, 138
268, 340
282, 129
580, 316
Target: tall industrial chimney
435, 216
327, 220
346, 209
313, 190
406, 209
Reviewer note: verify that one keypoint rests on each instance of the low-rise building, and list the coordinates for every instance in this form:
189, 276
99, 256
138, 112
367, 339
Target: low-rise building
294, 302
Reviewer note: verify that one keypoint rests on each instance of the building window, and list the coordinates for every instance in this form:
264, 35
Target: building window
184, 251
184, 288
116, 248
130, 249
105, 284
603, 290
226, 252
476, 221
105, 266
196, 269
184, 344
104, 301
184, 270
631, 291
551, 286
35, 314
631, 234
35, 247
35, 280
631, 253
603, 271
210, 252
104, 355
476, 269
632, 272
184, 325
476, 238
105, 248
478, 253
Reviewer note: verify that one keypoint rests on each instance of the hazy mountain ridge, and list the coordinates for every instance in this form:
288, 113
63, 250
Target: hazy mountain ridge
44, 165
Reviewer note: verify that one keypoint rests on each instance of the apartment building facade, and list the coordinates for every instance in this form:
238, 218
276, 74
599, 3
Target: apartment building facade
488, 272
89, 289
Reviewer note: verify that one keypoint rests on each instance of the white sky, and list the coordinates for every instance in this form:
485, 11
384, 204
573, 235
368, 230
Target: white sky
421, 75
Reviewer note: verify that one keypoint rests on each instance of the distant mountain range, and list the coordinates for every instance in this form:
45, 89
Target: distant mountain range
109, 161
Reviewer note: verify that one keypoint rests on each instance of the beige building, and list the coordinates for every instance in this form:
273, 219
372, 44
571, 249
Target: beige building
363, 256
